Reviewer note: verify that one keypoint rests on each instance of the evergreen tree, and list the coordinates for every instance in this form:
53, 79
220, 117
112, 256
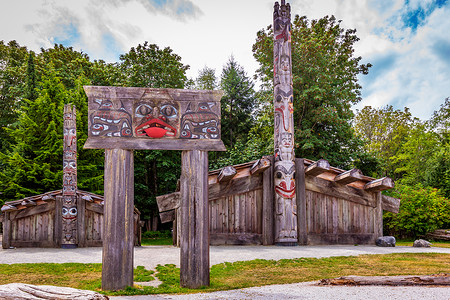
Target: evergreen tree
34, 165
238, 103
206, 79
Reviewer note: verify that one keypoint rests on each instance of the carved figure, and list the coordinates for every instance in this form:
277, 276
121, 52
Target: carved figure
200, 124
157, 119
69, 205
108, 121
284, 177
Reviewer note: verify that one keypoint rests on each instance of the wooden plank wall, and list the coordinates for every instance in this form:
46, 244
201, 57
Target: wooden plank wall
33, 227
93, 224
333, 220
236, 219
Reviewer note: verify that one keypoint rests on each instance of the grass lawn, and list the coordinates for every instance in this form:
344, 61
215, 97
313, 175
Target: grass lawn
236, 275
156, 241
440, 244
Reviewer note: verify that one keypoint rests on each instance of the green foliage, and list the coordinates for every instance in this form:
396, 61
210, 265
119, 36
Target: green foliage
438, 170
422, 210
141, 274
325, 86
157, 234
237, 103
206, 79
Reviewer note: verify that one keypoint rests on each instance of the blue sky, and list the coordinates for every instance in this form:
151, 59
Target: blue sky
406, 41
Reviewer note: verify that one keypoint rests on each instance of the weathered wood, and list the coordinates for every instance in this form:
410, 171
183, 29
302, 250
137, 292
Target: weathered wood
341, 191
236, 238
57, 233
380, 184
378, 217
97, 208
390, 204
81, 219
194, 252
340, 238
154, 144
168, 201
260, 165
226, 174
234, 187
301, 201
167, 216
318, 167
440, 234
349, 176
403, 280
22, 291
7, 231
7, 208
118, 238
34, 210
268, 206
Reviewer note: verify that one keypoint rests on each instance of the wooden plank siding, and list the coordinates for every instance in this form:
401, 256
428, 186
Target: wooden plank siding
333, 220
236, 219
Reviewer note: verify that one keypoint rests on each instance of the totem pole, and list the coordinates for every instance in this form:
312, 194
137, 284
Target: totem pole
69, 200
284, 167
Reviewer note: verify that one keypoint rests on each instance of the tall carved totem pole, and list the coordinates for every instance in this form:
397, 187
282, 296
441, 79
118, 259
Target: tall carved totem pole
284, 167
69, 194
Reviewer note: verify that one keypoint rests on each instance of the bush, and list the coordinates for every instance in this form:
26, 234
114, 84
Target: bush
422, 210
157, 234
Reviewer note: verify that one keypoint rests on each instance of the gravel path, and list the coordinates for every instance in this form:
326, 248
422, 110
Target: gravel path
150, 256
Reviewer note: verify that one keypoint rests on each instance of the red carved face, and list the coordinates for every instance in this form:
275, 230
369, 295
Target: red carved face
157, 119
285, 180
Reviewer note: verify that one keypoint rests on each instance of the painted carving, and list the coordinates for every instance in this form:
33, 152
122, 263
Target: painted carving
110, 121
69, 208
202, 123
284, 177
157, 119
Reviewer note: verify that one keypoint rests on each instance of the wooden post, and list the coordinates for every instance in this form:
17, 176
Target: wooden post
6, 242
301, 202
194, 254
378, 216
268, 206
117, 268
58, 232
81, 230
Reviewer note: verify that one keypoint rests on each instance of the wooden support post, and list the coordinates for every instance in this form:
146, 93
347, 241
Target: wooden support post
6, 240
268, 205
194, 254
301, 202
81, 229
390, 204
118, 237
378, 217
57, 233
349, 176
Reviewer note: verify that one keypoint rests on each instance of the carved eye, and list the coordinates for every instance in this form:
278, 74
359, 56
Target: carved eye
291, 99
72, 131
279, 98
203, 107
143, 110
293, 175
279, 175
65, 211
169, 111
73, 211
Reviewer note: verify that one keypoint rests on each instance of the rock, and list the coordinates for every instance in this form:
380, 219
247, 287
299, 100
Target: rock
421, 243
385, 241
14, 291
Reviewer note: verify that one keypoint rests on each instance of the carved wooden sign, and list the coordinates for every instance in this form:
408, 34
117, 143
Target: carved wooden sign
148, 118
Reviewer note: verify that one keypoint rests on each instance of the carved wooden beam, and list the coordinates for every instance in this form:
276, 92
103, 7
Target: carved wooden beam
381, 184
390, 204
28, 203
317, 168
48, 197
167, 216
87, 198
226, 174
349, 176
168, 201
6, 208
260, 166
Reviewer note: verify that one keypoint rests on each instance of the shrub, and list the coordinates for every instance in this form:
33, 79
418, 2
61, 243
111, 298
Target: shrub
157, 234
422, 210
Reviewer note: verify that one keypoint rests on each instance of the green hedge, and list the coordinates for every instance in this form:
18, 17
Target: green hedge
422, 210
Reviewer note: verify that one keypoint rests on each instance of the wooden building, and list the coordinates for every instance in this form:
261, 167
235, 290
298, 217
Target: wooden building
334, 206
37, 221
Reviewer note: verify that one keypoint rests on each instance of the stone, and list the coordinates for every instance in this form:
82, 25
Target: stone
421, 243
15, 291
385, 241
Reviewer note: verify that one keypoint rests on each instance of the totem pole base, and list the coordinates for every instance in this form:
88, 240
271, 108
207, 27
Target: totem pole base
286, 244
69, 246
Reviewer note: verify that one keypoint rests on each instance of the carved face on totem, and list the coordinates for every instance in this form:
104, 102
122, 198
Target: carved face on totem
110, 121
157, 119
202, 123
285, 179
284, 109
69, 212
